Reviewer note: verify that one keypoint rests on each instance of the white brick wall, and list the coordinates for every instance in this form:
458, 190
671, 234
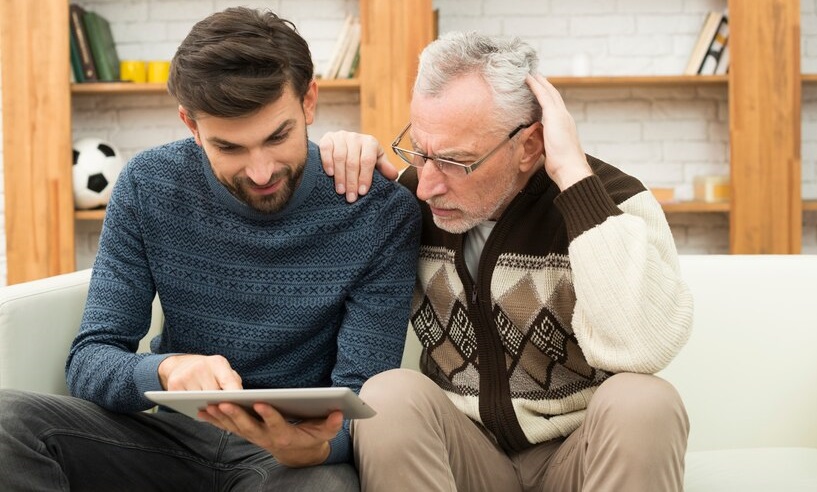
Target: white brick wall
808, 133
664, 136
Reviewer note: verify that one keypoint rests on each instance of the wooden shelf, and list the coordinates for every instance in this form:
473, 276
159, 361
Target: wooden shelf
810, 205
669, 207
809, 77
96, 214
695, 207
352, 85
638, 80
97, 88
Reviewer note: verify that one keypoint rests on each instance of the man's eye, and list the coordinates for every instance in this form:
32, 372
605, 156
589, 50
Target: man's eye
274, 139
226, 148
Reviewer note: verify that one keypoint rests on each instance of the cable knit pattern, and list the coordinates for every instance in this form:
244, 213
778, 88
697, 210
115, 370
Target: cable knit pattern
572, 287
314, 295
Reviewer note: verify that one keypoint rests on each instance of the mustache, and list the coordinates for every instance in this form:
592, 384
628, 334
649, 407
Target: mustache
436, 202
241, 181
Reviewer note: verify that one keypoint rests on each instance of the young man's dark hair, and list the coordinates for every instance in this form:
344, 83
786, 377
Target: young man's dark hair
236, 61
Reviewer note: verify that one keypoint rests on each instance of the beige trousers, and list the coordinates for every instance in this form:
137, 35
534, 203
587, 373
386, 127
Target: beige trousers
633, 439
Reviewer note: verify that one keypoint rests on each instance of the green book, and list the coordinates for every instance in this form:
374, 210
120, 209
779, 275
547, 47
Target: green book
103, 47
76, 62
80, 39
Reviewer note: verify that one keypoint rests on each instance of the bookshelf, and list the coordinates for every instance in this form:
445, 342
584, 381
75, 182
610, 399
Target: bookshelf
694, 206
764, 84
640, 80
808, 79
37, 96
106, 88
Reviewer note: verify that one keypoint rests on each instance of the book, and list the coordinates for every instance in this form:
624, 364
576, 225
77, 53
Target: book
332, 66
80, 38
353, 70
352, 49
103, 48
76, 63
723, 63
716, 47
705, 37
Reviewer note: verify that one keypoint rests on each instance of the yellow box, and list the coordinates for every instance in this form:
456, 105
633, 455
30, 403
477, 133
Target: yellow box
664, 195
158, 71
133, 71
712, 188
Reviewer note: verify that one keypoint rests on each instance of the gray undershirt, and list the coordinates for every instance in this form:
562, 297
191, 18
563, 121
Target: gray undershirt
474, 242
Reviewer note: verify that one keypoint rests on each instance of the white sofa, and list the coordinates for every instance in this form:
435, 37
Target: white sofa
748, 375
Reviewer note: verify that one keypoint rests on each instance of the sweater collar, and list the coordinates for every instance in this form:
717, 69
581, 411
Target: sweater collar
308, 180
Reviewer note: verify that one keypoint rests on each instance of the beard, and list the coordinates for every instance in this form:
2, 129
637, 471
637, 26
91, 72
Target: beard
241, 187
489, 209
268, 204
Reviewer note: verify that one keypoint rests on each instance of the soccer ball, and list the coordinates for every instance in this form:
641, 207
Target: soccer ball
97, 164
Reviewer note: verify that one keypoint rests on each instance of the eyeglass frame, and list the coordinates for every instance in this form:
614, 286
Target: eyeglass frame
469, 168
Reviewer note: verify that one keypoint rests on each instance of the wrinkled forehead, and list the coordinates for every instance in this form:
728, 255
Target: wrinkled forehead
464, 112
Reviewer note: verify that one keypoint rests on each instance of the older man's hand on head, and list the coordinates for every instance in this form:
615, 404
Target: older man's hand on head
565, 161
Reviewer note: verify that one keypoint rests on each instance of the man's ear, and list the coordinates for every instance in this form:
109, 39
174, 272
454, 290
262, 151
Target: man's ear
310, 102
533, 147
190, 123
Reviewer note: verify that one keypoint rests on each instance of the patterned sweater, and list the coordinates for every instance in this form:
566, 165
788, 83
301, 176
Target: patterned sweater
573, 287
317, 294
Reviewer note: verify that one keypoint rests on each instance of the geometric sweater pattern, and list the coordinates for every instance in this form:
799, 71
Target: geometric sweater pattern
314, 295
572, 287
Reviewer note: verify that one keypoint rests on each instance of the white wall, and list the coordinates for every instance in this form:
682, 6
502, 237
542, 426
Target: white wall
664, 136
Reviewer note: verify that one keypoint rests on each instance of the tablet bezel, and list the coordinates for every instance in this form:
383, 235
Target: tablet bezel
292, 403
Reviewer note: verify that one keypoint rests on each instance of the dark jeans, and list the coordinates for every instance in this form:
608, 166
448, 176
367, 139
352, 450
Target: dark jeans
52, 442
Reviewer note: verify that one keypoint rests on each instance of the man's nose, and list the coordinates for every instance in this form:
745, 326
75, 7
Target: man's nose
431, 181
260, 168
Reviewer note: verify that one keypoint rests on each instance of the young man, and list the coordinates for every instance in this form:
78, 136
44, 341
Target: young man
548, 293
239, 232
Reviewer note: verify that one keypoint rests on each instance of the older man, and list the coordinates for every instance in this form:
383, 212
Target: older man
548, 293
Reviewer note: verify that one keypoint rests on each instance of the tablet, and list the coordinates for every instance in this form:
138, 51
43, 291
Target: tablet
292, 403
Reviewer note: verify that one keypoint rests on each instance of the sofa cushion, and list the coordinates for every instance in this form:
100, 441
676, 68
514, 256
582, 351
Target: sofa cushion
752, 470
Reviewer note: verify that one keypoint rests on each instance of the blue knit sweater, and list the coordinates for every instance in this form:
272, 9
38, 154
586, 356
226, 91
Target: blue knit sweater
316, 294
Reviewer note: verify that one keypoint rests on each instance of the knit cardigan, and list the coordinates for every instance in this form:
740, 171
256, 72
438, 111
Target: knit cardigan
572, 287
316, 294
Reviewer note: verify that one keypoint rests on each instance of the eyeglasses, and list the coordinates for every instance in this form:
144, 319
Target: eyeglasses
447, 166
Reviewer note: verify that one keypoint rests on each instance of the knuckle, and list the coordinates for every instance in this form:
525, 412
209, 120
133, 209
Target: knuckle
281, 442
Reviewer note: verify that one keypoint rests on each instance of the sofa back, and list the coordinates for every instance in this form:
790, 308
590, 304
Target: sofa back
748, 374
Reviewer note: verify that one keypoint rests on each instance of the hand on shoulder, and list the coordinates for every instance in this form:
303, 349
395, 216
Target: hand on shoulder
351, 159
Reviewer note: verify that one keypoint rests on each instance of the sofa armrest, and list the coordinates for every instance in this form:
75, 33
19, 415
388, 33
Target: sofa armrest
38, 322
